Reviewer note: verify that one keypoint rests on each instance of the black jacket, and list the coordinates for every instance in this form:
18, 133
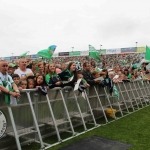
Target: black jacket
88, 77
108, 82
64, 76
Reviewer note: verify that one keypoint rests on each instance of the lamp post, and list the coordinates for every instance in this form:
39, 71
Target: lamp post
136, 44
12, 56
72, 48
100, 47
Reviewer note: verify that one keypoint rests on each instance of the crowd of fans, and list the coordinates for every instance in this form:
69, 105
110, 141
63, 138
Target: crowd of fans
29, 74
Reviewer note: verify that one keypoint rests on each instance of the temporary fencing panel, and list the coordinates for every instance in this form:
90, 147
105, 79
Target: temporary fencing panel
37, 117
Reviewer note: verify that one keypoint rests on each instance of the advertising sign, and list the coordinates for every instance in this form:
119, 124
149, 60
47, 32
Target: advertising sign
34, 56
74, 53
141, 49
103, 51
113, 51
63, 54
84, 53
128, 49
6, 58
3, 124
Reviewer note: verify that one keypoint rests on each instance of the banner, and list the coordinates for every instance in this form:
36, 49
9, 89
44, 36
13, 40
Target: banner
74, 53
128, 49
84, 53
14, 57
141, 49
103, 51
34, 56
63, 54
7, 58
113, 51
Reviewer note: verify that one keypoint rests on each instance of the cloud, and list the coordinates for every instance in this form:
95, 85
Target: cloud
34, 25
117, 26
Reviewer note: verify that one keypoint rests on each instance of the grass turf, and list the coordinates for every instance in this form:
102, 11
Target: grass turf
133, 129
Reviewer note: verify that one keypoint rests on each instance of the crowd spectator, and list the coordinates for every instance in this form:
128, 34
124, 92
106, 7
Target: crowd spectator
52, 79
66, 71
22, 71
70, 74
7, 84
88, 75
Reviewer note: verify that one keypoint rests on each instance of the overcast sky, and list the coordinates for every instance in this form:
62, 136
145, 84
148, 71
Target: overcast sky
33, 25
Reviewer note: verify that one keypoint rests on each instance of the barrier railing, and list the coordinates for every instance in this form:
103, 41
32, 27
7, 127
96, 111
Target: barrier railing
37, 117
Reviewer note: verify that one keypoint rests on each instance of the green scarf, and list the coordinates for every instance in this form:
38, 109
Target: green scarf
115, 91
6, 83
70, 73
7, 96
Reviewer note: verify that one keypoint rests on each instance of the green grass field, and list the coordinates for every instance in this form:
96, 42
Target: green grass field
133, 129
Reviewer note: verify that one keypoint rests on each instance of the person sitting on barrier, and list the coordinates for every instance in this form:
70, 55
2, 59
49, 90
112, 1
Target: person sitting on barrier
9, 87
22, 71
69, 76
23, 84
52, 79
88, 75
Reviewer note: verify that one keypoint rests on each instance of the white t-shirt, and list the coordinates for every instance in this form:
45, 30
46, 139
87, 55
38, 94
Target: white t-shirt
22, 73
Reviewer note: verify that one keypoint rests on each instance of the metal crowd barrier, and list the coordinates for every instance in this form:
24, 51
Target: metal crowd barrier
37, 117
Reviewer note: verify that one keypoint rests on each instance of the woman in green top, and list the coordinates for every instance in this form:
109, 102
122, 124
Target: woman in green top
70, 74
52, 79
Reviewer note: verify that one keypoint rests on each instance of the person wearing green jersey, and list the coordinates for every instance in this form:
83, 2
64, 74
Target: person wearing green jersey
52, 79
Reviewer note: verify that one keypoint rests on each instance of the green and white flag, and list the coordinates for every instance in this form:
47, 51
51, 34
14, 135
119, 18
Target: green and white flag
147, 54
94, 53
115, 91
24, 55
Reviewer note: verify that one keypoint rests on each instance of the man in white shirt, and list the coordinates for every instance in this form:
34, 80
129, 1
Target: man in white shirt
22, 71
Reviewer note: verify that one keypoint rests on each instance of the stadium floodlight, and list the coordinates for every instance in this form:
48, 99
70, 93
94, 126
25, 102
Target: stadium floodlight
72, 48
100, 47
136, 43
